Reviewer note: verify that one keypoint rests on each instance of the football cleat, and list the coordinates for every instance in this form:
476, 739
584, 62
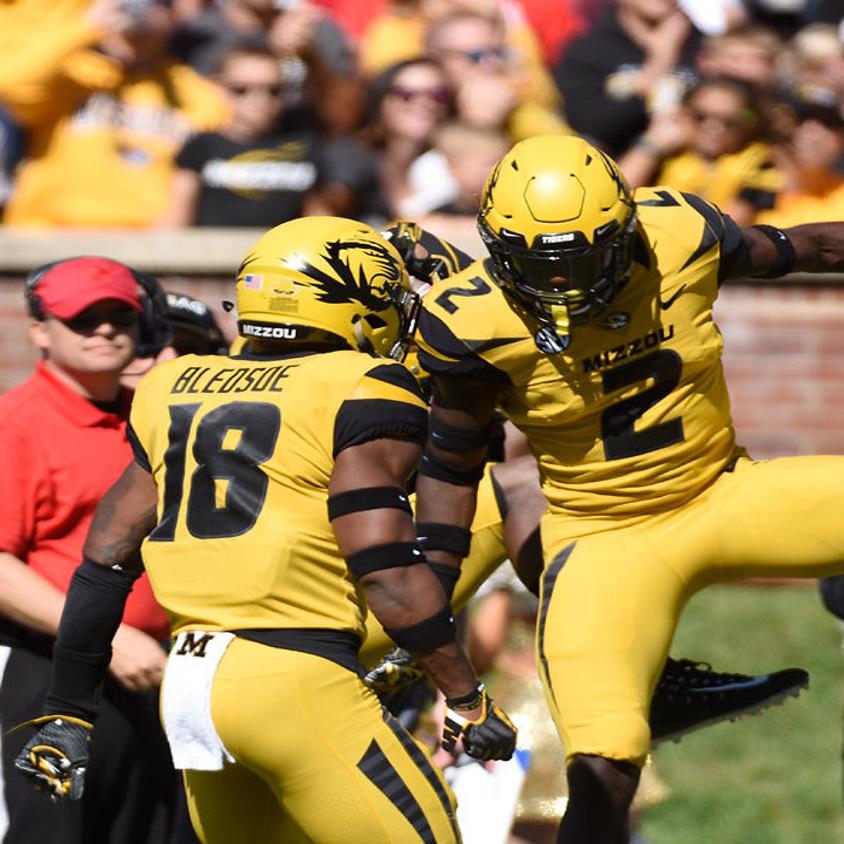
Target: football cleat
690, 695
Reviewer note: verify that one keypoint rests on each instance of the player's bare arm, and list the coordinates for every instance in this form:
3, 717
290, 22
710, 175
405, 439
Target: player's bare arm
446, 489
400, 595
123, 518
406, 596
772, 252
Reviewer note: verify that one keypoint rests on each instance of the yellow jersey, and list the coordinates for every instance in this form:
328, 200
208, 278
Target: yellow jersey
634, 416
242, 450
748, 174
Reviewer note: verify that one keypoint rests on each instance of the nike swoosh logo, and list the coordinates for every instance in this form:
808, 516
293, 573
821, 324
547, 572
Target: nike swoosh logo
665, 305
730, 687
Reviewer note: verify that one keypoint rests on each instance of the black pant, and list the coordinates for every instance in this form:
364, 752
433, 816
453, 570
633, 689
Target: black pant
131, 789
832, 594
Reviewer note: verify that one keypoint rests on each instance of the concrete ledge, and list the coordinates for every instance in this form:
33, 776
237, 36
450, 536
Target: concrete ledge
191, 252
200, 251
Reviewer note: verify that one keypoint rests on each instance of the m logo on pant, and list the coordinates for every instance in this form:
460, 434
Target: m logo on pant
193, 646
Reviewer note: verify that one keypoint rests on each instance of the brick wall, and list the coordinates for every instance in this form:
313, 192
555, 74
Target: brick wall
784, 358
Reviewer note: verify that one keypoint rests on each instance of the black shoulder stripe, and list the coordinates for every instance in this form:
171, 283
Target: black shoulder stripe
707, 241
439, 336
713, 217
732, 247
465, 363
141, 457
398, 376
361, 420
474, 368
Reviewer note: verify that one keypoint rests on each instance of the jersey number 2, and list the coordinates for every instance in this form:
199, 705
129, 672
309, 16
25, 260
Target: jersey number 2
620, 439
231, 442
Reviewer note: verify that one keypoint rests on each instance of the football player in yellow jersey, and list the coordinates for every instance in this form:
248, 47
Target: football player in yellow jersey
591, 325
267, 501
509, 505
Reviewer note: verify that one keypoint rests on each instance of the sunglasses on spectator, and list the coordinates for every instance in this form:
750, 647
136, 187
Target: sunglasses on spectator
480, 55
91, 319
440, 95
242, 89
743, 120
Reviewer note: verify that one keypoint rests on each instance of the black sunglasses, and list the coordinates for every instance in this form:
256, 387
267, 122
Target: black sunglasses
91, 319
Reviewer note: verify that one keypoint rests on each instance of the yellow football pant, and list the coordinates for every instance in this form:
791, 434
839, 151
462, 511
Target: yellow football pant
610, 599
486, 555
317, 760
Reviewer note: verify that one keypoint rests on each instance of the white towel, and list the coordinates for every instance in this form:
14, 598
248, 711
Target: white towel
186, 700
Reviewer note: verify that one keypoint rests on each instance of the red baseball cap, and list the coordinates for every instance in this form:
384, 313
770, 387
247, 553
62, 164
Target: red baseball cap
74, 285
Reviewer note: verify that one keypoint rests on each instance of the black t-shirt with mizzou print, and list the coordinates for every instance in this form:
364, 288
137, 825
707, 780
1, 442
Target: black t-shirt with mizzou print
259, 183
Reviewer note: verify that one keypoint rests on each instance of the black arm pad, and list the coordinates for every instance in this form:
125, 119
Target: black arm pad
786, 256
439, 536
450, 438
387, 556
442, 470
426, 635
447, 576
92, 613
368, 498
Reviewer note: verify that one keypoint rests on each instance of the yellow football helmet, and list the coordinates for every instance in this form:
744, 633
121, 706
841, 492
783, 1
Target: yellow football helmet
558, 221
327, 281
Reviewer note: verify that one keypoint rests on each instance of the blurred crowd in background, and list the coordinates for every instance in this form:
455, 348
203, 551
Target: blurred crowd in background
170, 113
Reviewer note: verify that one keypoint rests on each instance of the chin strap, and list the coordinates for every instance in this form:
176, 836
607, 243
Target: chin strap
556, 338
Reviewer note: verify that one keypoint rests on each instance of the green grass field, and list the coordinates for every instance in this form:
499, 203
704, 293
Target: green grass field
774, 778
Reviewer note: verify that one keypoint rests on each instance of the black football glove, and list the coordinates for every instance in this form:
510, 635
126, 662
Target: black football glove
405, 236
491, 736
57, 755
397, 670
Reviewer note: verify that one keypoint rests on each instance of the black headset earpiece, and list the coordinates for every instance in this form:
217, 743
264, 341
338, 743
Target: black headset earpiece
155, 329
33, 303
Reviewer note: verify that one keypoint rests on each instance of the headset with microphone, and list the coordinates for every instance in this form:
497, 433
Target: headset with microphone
156, 331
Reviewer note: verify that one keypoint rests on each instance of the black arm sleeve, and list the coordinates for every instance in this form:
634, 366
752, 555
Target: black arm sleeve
92, 612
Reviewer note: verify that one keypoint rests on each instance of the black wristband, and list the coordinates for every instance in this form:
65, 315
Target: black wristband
439, 536
387, 556
468, 701
450, 438
427, 635
368, 498
786, 256
442, 470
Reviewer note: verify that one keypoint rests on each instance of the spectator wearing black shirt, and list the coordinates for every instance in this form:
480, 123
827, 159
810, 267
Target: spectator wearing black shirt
320, 80
253, 172
638, 58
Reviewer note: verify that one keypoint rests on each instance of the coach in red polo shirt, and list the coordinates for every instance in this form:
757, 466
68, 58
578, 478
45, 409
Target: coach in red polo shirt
62, 445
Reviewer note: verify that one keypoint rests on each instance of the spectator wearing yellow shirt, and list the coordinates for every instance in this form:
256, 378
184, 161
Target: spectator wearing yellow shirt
105, 108
714, 147
814, 189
